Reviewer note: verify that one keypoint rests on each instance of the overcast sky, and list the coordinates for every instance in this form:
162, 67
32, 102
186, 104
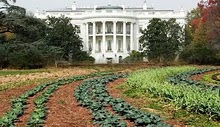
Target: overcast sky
32, 5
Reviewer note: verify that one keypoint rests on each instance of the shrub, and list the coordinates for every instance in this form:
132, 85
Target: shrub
198, 53
135, 56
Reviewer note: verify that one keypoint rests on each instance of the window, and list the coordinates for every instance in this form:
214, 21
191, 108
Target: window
109, 29
119, 45
78, 29
128, 27
90, 46
119, 29
90, 29
128, 47
109, 45
99, 29
99, 45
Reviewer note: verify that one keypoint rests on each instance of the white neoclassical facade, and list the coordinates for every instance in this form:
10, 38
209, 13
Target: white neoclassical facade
110, 33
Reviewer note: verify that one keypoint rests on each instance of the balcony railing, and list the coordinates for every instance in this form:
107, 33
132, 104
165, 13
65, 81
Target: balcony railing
99, 32
119, 32
109, 32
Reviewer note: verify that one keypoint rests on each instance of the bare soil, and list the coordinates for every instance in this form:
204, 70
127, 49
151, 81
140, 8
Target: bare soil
8, 95
200, 76
64, 110
21, 122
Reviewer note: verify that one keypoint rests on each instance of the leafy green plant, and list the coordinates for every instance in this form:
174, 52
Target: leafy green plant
184, 78
183, 94
93, 95
18, 104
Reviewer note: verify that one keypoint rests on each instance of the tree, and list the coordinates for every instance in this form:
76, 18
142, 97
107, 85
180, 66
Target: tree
162, 39
199, 51
62, 33
211, 16
135, 56
3, 56
13, 19
203, 24
51, 54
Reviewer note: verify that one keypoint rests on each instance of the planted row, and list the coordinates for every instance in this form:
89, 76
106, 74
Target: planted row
195, 99
93, 95
184, 78
18, 104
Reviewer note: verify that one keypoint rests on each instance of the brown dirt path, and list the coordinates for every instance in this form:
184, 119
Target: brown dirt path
21, 122
200, 76
64, 111
8, 95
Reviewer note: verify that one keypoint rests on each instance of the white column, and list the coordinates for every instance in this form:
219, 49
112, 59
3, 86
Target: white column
132, 37
94, 38
103, 38
124, 38
87, 36
114, 37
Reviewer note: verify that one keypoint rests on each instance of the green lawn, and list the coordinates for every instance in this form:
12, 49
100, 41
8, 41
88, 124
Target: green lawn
20, 72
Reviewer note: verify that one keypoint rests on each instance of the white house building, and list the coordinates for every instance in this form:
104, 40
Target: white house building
110, 33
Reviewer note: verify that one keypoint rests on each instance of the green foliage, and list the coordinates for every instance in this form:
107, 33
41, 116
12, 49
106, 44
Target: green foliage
199, 53
93, 95
19, 72
43, 42
38, 116
201, 35
62, 33
188, 36
184, 78
135, 56
82, 56
190, 97
160, 34
26, 56
3, 56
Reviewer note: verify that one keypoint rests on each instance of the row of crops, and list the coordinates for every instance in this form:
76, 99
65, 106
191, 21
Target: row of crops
93, 95
184, 78
174, 85
171, 83
38, 116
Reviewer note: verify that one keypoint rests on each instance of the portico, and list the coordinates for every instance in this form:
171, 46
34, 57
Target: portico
111, 37
110, 33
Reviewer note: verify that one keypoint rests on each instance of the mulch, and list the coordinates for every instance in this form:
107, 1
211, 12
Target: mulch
200, 76
8, 95
29, 108
65, 111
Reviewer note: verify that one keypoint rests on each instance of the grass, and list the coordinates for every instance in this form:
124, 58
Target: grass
165, 109
208, 78
20, 72
151, 83
11, 85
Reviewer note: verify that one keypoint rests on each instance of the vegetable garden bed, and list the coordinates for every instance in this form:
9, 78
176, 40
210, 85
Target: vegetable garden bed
184, 94
93, 95
39, 114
